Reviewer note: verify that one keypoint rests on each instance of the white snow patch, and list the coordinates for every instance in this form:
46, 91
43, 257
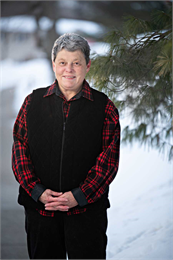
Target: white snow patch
99, 48
140, 217
24, 76
45, 23
72, 25
25, 24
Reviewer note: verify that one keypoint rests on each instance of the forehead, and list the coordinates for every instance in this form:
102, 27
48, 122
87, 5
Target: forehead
69, 55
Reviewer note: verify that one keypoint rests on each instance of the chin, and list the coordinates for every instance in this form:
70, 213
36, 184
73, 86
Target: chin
69, 87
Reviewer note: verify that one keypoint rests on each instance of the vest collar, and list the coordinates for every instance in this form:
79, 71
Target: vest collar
85, 92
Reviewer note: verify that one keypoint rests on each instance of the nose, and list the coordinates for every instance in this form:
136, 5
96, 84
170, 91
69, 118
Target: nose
69, 67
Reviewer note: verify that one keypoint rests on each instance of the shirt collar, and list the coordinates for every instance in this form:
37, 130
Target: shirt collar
85, 92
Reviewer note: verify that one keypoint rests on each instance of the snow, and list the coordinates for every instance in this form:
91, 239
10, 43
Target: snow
25, 24
45, 23
24, 77
71, 25
140, 217
98, 47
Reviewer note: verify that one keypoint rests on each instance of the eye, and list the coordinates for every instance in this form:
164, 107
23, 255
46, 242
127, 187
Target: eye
76, 64
62, 63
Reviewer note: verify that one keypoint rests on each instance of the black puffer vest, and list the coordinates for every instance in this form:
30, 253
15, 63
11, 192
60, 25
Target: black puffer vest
63, 152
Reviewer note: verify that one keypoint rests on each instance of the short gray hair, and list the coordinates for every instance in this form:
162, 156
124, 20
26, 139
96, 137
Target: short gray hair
71, 42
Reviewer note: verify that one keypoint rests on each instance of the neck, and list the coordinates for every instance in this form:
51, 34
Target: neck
70, 93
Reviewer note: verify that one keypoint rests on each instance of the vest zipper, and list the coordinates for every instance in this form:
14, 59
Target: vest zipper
62, 149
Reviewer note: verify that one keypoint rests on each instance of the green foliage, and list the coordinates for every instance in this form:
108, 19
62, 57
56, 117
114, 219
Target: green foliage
136, 73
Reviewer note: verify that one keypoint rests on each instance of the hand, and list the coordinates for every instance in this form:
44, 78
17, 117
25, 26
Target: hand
71, 201
67, 201
49, 196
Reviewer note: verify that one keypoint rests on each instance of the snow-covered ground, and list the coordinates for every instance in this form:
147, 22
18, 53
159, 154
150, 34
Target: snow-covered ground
140, 217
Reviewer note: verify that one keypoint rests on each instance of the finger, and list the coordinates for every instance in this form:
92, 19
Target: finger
60, 208
55, 203
59, 199
56, 194
64, 195
63, 208
56, 200
51, 199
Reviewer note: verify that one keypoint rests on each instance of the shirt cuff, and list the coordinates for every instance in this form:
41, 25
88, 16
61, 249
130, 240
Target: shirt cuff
37, 191
80, 197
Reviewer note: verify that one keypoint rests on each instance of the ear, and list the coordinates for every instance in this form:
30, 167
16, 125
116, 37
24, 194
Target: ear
53, 65
88, 65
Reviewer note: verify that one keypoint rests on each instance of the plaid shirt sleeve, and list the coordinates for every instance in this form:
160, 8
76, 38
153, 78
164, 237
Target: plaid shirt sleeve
21, 162
104, 171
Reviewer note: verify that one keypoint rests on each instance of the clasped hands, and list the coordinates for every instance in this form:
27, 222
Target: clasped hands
57, 200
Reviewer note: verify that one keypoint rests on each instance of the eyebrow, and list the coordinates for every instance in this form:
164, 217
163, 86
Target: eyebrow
60, 59
64, 59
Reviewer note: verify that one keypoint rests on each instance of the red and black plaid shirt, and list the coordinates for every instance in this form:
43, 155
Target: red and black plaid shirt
100, 175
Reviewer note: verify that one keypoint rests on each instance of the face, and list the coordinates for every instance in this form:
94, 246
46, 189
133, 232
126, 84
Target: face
70, 69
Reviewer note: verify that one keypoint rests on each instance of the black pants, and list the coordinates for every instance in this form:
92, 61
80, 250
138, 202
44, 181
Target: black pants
80, 236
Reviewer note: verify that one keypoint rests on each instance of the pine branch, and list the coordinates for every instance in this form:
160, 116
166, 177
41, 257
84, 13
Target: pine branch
136, 73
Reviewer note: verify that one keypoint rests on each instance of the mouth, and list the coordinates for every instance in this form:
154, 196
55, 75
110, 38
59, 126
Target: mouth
69, 77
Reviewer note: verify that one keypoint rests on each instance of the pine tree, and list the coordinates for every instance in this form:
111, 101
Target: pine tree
136, 73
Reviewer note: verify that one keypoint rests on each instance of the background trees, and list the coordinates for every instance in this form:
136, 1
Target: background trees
136, 73
105, 13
